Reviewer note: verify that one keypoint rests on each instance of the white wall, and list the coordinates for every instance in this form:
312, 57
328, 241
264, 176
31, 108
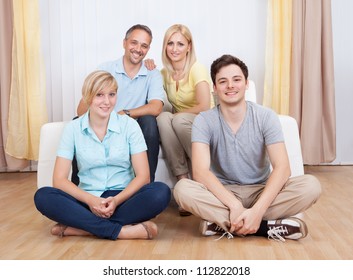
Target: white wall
80, 34
342, 27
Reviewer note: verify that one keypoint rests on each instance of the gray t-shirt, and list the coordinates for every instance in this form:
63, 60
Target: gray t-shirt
239, 158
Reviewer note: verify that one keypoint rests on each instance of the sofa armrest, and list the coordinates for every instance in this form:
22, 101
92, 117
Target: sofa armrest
50, 135
292, 141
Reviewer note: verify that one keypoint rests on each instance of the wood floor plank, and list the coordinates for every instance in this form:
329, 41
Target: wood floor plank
25, 233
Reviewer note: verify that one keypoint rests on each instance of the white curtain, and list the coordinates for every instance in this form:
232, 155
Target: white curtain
78, 35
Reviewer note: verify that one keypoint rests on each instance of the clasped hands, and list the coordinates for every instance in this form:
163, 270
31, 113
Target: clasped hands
244, 221
103, 207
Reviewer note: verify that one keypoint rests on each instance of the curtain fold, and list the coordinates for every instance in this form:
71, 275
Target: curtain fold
278, 55
7, 163
27, 108
312, 95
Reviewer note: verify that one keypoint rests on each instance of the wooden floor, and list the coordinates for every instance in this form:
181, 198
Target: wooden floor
24, 233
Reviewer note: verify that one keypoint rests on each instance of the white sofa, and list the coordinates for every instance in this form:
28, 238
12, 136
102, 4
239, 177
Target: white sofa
51, 133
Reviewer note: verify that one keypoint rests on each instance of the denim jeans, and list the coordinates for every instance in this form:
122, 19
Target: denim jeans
144, 205
150, 131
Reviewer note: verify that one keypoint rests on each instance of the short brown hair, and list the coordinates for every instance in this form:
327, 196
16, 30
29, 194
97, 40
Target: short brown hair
226, 60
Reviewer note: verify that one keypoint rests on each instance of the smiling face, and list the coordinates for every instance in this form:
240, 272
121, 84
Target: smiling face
103, 102
99, 93
230, 85
177, 47
136, 46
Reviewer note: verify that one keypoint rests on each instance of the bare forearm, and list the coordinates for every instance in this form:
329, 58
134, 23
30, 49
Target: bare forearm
148, 109
278, 177
273, 186
71, 189
212, 183
130, 190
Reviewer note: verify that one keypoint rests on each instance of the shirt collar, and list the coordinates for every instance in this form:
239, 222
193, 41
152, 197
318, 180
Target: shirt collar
121, 70
113, 124
85, 121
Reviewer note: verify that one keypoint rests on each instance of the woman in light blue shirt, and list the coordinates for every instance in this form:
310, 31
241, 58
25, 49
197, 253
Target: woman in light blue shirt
115, 199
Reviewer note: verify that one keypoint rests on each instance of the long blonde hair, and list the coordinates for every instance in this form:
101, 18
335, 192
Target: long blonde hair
191, 55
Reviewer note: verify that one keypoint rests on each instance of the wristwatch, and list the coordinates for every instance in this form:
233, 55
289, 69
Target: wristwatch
127, 112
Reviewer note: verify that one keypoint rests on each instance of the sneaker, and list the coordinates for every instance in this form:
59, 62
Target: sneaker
289, 228
183, 213
209, 228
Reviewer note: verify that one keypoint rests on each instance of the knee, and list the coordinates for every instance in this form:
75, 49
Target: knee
164, 120
164, 117
180, 189
41, 196
163, 193
148, 125
180, 119
147, 122
181, 123
314, 187
309, 189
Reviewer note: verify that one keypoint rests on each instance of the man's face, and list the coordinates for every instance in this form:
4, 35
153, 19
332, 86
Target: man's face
230, 85
137, 45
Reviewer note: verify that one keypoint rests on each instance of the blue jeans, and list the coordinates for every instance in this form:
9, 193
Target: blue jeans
144, 205
150, 131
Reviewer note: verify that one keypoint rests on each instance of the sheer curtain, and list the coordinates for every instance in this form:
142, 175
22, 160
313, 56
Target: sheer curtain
312, 96
278, 55
301, 80
27, 108
7, 163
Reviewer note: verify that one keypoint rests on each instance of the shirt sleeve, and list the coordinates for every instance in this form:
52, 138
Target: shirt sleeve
67, 143
272, 128
137, 141
200, 130
198, 73
156, 89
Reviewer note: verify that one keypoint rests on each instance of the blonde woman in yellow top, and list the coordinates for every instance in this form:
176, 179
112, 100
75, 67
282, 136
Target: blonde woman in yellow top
188, 89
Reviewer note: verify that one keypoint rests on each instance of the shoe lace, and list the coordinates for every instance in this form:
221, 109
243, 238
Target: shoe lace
225, 234
276, 233
218, 228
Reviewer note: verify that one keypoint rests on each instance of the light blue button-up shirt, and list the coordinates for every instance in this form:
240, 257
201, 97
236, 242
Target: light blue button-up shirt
133, 93
103, 165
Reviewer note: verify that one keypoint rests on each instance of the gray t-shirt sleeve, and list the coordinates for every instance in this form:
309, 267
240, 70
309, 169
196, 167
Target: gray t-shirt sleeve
200, 130
271, 128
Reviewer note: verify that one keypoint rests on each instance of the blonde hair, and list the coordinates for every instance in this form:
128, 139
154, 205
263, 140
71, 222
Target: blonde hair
191, 55
95, 82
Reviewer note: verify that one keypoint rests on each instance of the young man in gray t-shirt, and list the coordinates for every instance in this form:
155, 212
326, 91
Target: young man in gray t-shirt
241, 174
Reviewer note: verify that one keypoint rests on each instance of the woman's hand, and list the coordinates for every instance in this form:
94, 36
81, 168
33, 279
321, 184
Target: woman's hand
107, 207
102, 207
149, 63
